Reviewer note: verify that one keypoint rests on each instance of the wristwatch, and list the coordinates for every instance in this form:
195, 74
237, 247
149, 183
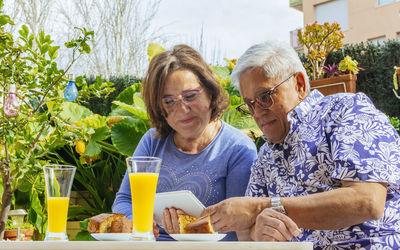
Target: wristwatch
277, 205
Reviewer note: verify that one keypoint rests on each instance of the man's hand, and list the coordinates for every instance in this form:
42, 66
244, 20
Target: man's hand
170, 220
235, 214
274, 226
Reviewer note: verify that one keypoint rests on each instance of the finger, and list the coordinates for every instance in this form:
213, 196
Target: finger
272, 229
156, 230
167, 221
221, 226
180, 211
209, 210
174, 220
275, 224
289, 223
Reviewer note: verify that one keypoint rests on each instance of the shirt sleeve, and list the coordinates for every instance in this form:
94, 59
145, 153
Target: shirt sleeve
364, 144
239, 169
123, 203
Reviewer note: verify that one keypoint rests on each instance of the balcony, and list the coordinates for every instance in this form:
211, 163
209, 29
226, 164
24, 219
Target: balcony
296, 4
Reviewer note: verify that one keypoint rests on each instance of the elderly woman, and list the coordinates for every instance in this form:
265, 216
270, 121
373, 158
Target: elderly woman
330, 170
200, 152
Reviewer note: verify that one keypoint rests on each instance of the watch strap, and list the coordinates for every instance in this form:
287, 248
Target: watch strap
277, 205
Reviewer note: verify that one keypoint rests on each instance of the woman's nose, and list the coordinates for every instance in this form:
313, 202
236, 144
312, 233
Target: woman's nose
181, 106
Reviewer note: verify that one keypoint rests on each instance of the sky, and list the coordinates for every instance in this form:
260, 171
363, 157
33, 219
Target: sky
229, 26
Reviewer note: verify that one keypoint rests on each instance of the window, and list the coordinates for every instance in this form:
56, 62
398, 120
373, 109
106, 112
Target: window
333, 11
384, 2
377, 40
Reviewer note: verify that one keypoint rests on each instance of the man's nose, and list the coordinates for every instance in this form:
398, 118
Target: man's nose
259, 110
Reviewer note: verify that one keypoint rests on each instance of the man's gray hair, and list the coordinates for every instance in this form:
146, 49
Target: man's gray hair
278, 59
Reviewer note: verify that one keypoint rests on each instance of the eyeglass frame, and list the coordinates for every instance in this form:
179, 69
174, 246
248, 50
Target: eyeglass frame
268, 93
180, 97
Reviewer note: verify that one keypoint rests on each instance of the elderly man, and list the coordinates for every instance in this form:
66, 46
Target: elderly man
329, 170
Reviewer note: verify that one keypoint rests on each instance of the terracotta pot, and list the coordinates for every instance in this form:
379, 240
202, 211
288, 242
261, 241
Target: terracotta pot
26, 234
337, 84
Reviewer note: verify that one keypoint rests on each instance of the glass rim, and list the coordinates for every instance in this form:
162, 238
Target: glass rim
59, 166
143, 158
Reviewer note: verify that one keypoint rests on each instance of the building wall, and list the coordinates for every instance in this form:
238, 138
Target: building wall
366, 19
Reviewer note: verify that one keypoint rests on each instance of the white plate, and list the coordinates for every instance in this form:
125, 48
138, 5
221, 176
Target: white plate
198, 237
111, 236
183, 199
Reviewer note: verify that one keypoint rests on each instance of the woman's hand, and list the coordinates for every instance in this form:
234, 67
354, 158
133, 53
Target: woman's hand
170, 220
156, 230
274, 226
235, 214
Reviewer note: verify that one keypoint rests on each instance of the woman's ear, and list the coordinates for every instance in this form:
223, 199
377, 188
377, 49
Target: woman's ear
301, 86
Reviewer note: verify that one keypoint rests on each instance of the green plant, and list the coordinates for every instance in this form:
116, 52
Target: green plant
29, 62
396, 81
349, 66
376, 80
319, 41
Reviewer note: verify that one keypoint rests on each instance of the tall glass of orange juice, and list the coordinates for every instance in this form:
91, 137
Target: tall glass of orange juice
143, 175
58, 179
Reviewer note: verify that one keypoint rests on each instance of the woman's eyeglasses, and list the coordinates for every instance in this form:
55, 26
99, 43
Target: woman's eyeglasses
264, 100
170, 102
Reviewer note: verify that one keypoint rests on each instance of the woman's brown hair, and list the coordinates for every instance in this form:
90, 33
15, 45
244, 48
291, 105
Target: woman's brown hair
181, 57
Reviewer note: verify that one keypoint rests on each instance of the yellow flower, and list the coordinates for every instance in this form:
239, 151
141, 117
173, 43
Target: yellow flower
80, 147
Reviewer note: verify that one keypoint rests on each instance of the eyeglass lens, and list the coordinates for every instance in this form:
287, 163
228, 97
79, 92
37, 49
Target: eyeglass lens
186, 97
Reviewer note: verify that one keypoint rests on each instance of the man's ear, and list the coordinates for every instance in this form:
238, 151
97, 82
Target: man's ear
301, 85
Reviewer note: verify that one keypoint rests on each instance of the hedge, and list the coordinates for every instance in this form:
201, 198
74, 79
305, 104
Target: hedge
376, 80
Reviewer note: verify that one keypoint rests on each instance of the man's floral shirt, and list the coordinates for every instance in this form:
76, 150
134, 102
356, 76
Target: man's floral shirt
333, 138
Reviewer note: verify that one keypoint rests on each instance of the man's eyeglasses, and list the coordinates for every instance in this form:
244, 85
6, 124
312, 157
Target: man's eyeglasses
264, 100
187, 97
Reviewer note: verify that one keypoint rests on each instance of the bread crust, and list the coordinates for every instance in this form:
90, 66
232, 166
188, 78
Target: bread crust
109, 223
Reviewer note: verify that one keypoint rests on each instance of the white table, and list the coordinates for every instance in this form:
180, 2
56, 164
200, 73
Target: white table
122, 245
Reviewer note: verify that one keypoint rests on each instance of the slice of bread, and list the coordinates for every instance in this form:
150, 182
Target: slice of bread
109, 223
185, 221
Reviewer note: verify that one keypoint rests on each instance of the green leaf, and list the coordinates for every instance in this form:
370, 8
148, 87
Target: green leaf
72, 112
44, 48
92, 122
24, 32
4, 19
92, 149
125, 138
132, 109
221, 71
53, 52
153, 49
101, 134
139, 103
84, 236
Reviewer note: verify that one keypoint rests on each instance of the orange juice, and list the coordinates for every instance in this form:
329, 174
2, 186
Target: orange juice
143, 190
57, 210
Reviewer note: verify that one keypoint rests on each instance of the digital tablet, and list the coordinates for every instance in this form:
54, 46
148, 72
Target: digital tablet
183, 199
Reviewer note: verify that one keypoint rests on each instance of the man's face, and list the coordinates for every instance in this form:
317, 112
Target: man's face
273, 120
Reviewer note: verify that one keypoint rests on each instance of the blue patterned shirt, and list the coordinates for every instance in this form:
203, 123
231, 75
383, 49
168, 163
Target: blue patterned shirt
334, 138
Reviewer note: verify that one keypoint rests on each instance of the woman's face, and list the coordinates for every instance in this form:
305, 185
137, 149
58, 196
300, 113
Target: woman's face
186, 103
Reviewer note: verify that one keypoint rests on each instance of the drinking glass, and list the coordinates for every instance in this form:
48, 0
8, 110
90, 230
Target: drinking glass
58, 180
143, 175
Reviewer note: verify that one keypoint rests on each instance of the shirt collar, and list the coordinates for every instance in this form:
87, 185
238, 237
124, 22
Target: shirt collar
299, 113
305, 107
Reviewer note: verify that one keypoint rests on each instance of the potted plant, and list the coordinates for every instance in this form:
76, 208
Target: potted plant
339, 78
319, 41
